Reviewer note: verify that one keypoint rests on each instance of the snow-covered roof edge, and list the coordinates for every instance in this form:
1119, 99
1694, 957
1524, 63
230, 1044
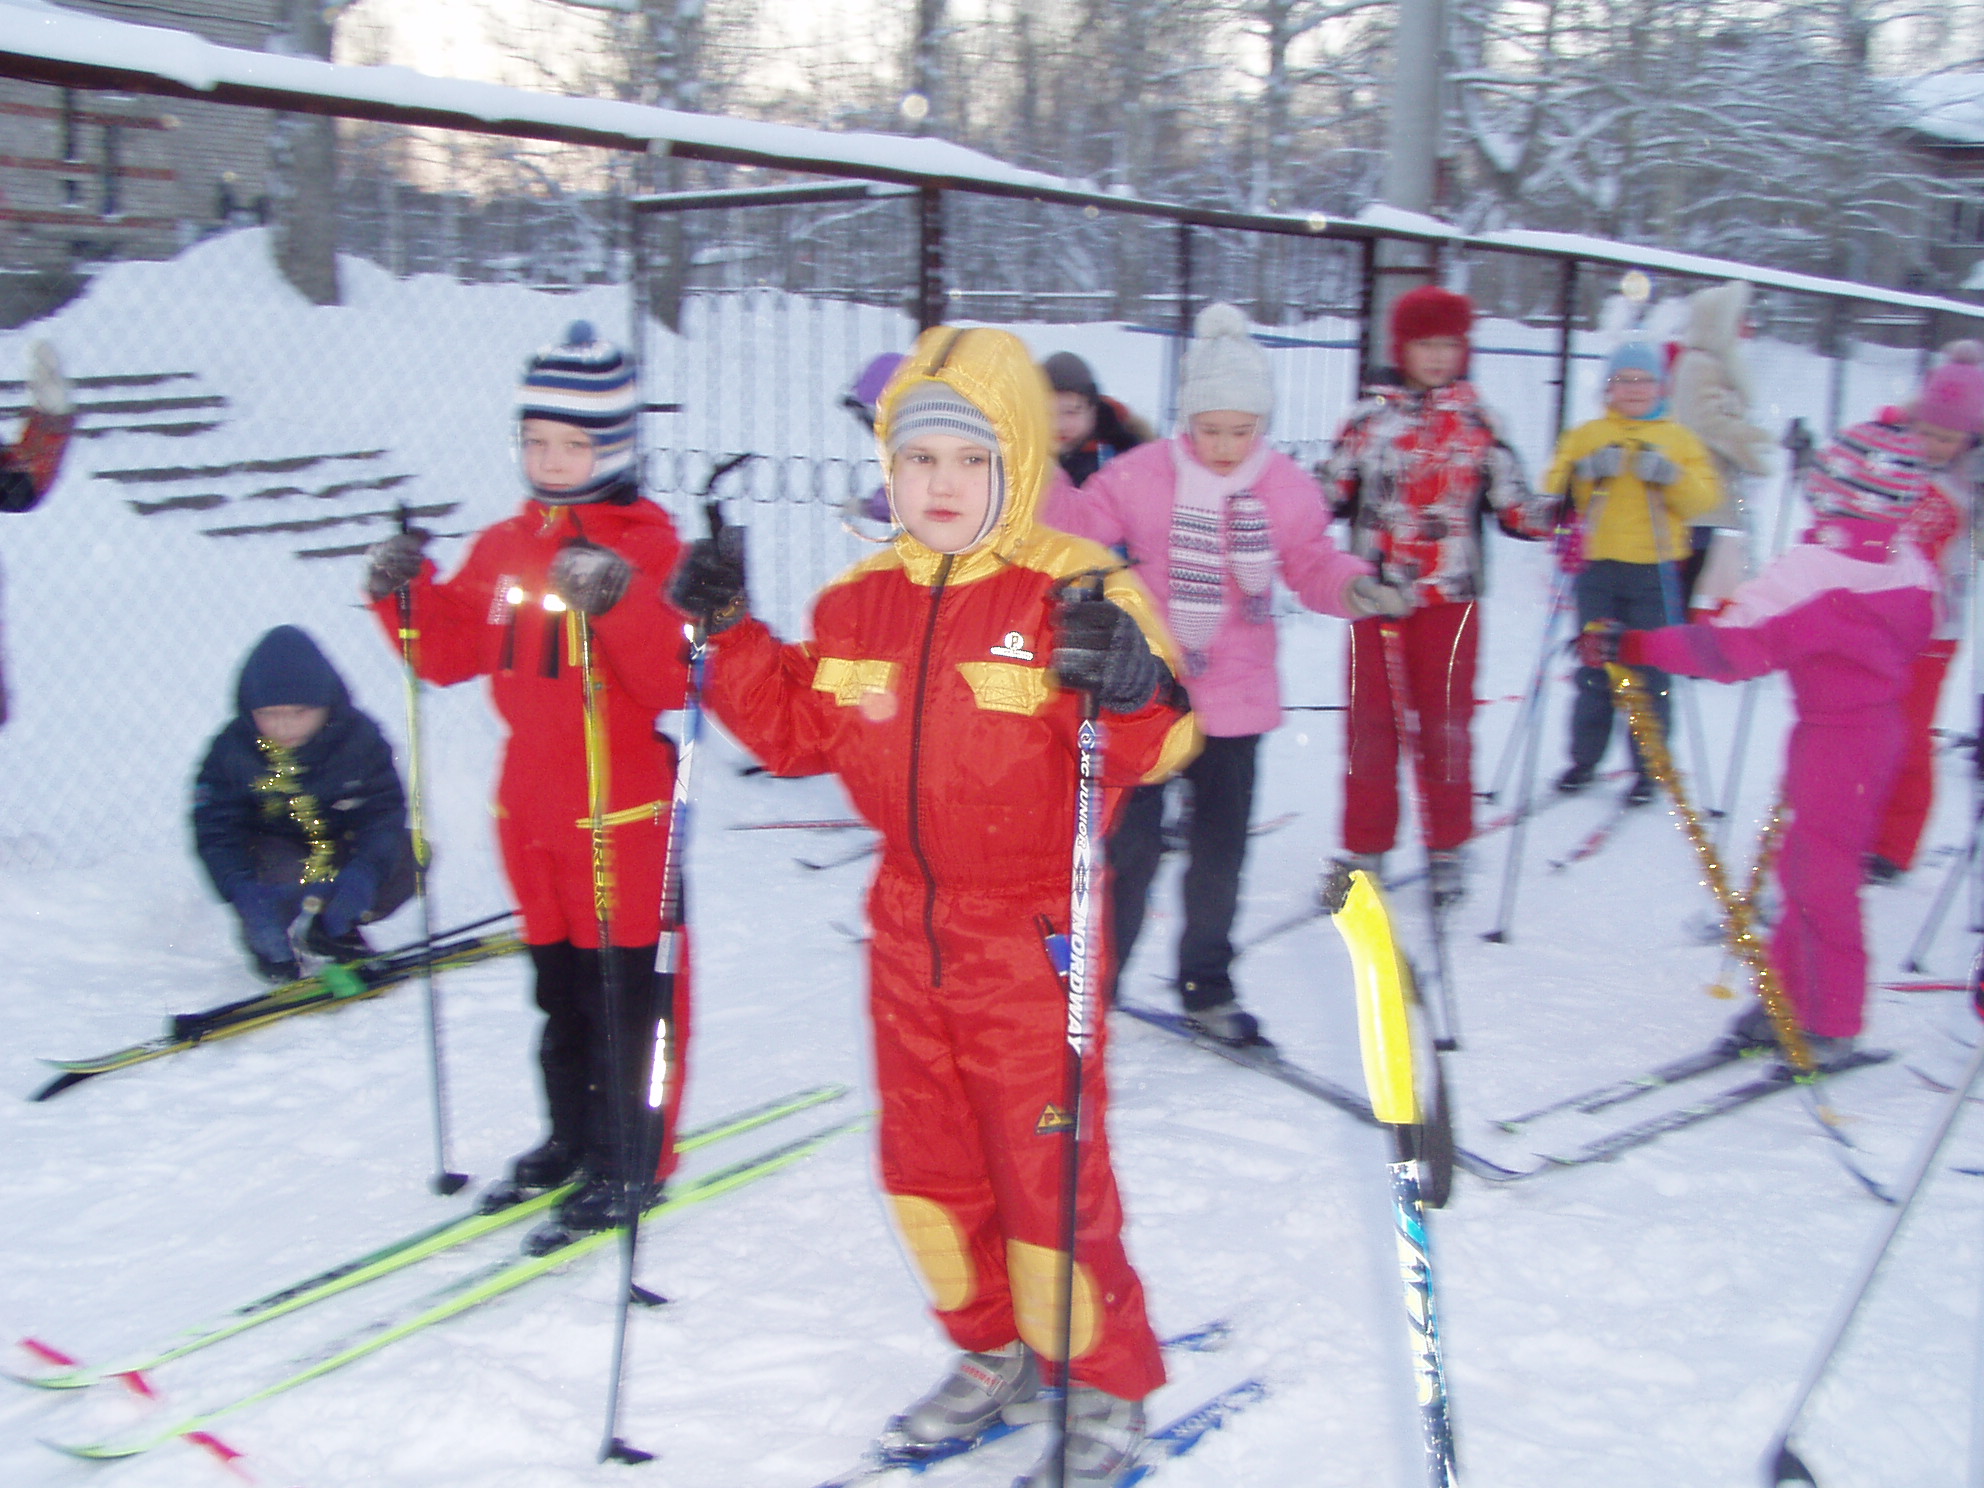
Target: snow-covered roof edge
58, 46
1633, 255
52, 45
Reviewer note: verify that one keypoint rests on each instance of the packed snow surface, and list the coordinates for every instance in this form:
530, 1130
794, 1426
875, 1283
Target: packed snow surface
1640, 1323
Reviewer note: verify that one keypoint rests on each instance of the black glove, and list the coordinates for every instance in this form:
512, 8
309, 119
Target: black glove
1653, 467
589, 578
1600, 465
1100, 650
710, 583
1598, 643
394, 562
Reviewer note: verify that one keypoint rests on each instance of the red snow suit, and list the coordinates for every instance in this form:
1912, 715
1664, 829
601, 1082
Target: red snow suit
491, 620
926, 688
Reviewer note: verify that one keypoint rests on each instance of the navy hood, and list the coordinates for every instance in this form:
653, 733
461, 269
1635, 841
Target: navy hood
287, 669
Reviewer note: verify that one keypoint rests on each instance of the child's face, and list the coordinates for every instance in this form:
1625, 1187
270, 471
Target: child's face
942, 486
557, 457
1432, 361
1940, 446
1223, 438
1632, 393
291, 725
1074, 421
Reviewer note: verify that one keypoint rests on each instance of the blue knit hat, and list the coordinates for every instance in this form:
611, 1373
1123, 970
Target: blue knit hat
1636, 356
588, 383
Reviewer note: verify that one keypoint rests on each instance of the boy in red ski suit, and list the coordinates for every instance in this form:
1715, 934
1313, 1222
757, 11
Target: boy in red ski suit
1416, 471
1842, 613
937, 686
586, 542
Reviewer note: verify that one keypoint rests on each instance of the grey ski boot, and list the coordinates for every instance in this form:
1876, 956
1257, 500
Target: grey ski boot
966, 1401
1105, 1433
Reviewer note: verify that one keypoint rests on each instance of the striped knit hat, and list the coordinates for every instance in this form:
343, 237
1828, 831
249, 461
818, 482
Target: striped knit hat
588, 383
1869, 470
938, 408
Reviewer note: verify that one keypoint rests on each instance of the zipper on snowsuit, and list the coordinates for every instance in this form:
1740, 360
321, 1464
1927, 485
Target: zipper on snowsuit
916, 775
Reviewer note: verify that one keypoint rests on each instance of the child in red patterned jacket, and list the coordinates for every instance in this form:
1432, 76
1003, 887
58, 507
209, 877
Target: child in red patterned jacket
1416, 471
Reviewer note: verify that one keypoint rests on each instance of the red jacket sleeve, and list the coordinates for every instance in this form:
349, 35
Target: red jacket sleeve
763, 693
641, 641
455, 641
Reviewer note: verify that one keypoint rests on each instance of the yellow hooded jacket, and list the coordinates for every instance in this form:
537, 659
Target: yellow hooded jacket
928, 684
1617, 514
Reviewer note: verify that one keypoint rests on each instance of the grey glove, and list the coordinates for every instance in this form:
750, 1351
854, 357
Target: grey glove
1368, 596
589, 578
1099, 648
1653, 467
1600, 464
394, 562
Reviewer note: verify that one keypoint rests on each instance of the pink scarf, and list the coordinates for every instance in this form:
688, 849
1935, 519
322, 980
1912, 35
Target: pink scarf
1218, 526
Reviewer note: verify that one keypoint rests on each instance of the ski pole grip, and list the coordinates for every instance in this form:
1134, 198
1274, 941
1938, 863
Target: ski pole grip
1384, 1031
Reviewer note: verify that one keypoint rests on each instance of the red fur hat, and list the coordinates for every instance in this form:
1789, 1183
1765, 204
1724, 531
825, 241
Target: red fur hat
1429, 311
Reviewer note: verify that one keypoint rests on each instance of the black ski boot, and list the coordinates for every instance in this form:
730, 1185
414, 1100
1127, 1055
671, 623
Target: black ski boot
350, 946
1225, 1021
596, 1204
550, 1163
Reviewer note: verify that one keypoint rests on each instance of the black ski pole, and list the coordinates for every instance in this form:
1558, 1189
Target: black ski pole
639, 1153
1532, 748
1532, 700
1673, 605
445, 1179
1082, 938
1781, 1464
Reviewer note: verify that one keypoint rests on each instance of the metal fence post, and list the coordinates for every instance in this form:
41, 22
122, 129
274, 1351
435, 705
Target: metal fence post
1839, 346
1185, 313
1567, 314
1367, 307
930, 258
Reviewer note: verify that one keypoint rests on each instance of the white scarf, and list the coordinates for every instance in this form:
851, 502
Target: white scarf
1218, 526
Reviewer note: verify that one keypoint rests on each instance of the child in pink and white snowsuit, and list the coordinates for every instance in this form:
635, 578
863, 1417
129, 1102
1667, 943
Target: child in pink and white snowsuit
1209, 518
1842, 613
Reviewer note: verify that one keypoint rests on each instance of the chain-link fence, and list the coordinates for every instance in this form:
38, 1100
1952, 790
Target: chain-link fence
240, 447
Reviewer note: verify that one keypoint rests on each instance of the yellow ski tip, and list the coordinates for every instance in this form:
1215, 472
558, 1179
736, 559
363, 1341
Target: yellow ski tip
1384, 1029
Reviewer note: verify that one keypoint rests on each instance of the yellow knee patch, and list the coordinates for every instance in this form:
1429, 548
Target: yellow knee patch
934, 1238
1034, 1273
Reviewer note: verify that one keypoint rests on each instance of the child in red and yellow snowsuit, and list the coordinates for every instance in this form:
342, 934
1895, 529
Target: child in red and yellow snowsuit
939, 684
586, 544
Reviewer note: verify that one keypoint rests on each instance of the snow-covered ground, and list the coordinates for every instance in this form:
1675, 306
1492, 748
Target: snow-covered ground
1638, 1323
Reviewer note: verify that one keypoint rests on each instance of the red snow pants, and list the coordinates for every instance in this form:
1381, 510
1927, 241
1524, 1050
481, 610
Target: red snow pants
1900, 834
549, 864
1836, 780
970, 1024
1437, 646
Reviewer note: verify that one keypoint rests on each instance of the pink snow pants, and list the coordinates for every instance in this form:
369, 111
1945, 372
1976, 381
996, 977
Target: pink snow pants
1837, 777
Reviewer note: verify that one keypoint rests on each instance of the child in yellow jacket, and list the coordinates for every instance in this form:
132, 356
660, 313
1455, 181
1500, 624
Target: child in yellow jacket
1637, 478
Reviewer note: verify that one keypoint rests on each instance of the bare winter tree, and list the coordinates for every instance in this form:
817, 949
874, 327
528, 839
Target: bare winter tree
303, 163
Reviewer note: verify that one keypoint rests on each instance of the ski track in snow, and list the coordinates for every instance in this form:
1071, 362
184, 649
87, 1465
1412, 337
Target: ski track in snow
1638, 1323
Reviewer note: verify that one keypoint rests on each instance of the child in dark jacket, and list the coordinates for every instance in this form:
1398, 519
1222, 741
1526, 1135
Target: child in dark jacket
298, 802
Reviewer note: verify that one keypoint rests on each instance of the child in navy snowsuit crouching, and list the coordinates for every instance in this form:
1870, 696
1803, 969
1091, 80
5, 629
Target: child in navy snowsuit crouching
298, 799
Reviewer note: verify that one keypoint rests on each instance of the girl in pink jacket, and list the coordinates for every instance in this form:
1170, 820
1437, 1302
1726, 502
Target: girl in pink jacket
1210, 517
1842, 613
